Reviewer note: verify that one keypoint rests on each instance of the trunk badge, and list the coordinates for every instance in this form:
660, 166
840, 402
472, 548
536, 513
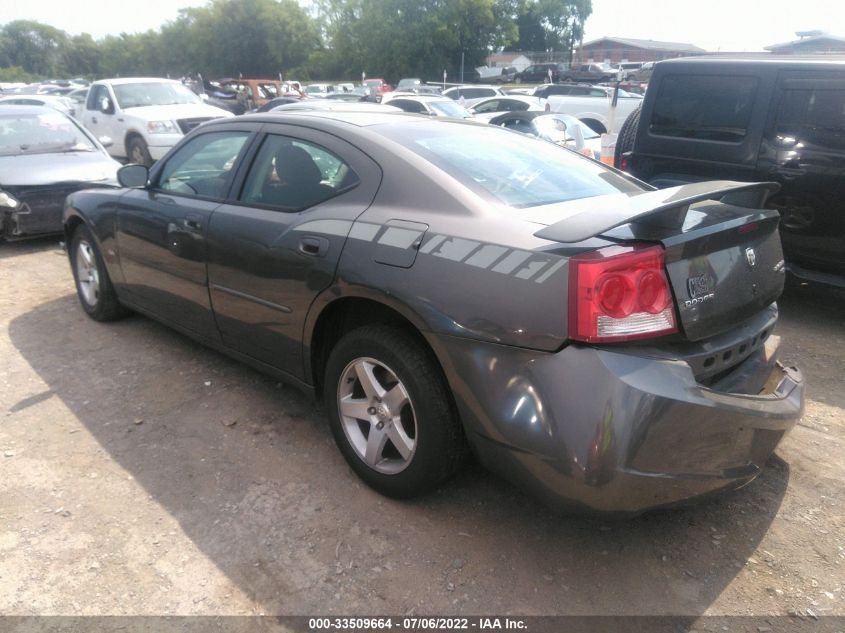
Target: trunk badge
751, 257
700, 287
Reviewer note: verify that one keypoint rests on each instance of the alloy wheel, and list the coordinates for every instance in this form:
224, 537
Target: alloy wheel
377, 415
87, 275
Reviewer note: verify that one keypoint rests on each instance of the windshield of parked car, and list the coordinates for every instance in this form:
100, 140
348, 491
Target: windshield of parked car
42, 133
449, 108
153, 94
518, 170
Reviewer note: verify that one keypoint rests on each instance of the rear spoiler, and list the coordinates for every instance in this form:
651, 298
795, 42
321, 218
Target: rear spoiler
662, 207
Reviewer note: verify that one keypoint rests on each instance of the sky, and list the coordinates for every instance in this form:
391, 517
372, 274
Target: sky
727, 25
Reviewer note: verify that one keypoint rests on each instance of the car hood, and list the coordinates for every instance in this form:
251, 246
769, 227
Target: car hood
176, 111
46, 169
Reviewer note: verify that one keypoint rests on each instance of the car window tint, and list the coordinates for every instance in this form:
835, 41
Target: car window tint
597, 92
95, 95
708, 107
517, 170
488, 106
520, 125
814, 117
202, 166
407, 105
291, 175
478, 93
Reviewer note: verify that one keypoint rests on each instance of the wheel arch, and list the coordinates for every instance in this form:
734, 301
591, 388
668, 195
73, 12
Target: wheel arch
334, 314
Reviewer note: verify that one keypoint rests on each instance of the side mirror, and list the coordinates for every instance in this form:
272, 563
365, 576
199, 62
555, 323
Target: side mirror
106, 141
106, 106
133, 176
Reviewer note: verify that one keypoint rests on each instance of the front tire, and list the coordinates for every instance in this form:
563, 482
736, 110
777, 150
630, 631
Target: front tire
391, 412
138, 152
93, 286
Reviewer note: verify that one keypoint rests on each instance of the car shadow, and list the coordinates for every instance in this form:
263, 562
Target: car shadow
820, 348
249, 469
28, 246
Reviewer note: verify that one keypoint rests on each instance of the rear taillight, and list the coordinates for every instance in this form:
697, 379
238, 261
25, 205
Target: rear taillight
620, 293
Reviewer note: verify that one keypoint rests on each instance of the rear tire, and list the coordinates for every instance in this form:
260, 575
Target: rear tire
391, 412
627, 136
93, 286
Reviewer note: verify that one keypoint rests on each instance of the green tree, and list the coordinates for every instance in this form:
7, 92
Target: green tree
37, 48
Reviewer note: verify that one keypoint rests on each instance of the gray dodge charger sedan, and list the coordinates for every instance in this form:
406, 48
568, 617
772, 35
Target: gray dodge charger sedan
448, 287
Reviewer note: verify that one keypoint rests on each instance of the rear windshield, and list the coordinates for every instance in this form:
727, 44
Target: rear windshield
517, 170
707, 107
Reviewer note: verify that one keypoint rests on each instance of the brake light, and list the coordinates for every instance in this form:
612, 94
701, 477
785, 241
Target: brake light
623, 163
620, 293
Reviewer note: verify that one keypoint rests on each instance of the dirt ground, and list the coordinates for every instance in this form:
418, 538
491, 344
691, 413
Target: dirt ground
141, 473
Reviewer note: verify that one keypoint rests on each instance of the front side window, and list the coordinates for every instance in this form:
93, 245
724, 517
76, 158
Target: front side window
97, 94
290, 175
812, 116
201, 168
706, 107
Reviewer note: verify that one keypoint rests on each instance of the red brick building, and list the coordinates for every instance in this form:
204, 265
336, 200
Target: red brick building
624, 49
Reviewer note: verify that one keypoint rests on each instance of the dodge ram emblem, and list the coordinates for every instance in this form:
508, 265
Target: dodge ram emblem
751, 257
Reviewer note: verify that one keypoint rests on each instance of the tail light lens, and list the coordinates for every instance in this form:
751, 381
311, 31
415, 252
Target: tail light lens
620, 293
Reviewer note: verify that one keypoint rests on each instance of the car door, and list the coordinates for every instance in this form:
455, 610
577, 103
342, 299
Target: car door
103, 123
162, 229
803, 149
275, 244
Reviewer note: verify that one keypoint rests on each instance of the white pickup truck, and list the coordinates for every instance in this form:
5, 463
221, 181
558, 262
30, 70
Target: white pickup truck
595, 109
143, 117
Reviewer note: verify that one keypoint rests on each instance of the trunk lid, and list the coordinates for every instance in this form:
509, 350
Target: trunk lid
722, 252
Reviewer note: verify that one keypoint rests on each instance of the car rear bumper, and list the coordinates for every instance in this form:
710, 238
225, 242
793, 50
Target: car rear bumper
601, 430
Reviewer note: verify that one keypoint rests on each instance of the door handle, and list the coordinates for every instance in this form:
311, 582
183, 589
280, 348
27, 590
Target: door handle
93, 119
193, 222
313, 246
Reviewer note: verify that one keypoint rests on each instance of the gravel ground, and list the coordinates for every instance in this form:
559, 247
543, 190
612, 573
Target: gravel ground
144, 474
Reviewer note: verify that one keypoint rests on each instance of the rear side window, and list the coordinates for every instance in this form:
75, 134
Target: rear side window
706, 107
290, 175
813, 116
477, 93
517, 170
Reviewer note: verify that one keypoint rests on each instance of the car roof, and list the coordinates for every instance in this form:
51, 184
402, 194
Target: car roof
474, 86
334, 118
137, 80
29, 109
791, 60
42, 97
530, 99
320, 105
421, 98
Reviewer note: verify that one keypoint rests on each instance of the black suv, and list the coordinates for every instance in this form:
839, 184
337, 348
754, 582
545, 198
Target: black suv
779, 120
539, 73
